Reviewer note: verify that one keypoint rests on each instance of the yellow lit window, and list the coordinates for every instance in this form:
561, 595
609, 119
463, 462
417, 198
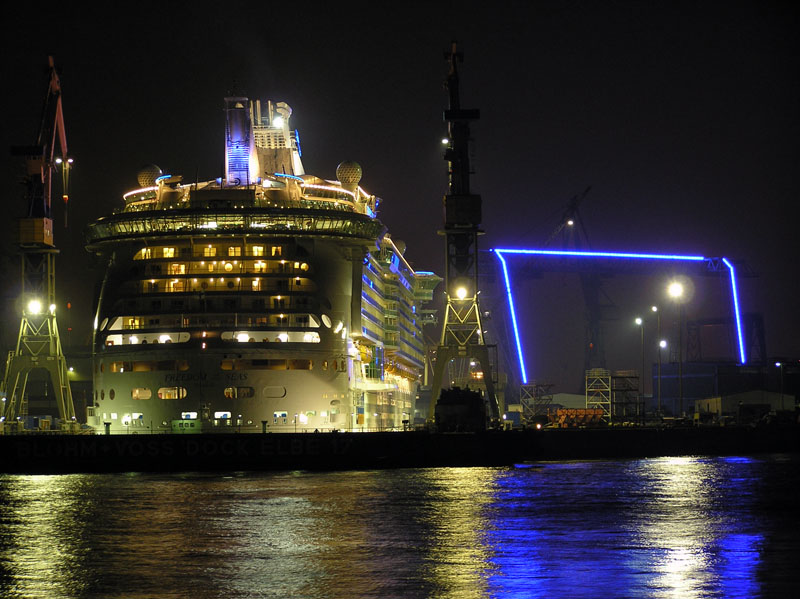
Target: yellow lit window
277, 250
168, 252
144, 254
209, 251
235, 250
257, 250
260, 266
177, 268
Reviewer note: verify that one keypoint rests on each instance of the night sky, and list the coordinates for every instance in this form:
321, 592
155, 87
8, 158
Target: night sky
682, 117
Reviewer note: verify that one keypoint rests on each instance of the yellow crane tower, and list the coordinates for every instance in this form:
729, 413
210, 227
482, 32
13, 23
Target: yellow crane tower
38, 345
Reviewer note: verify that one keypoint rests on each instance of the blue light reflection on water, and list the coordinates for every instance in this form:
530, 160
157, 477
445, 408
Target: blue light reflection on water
662, 528
672, 527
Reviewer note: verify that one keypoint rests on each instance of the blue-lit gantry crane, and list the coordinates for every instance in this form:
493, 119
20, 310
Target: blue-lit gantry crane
38, 344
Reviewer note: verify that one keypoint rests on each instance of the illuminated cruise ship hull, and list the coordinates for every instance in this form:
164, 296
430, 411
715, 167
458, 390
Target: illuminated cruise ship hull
267, 300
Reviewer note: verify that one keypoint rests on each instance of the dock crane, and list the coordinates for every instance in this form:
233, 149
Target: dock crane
38, 344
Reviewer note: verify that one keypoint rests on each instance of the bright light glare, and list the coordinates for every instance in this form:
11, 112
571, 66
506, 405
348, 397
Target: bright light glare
277, 121
639, 321
654, 308
34, 307
662, 344
675, 289
461, 293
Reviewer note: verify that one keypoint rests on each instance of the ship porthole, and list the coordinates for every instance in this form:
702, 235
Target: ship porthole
102, 394
326, 320
111, 394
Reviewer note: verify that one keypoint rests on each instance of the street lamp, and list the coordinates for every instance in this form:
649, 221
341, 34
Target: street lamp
661, 345
640, 323
780, 365
655, 311
675, 291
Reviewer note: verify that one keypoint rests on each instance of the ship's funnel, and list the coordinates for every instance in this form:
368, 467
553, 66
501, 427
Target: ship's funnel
241, 164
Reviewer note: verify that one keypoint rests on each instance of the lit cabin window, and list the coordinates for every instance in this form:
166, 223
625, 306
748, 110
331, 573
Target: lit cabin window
168, 252
277, 250
141, 393
144, 254
171, 393
176, 268
260, 266
209, 251
235, 250
257, 250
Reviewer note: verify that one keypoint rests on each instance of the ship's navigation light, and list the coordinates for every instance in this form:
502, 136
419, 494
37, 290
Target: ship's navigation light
34, 307
445, 141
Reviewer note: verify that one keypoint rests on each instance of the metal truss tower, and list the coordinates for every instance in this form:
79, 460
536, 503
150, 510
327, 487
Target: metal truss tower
462, 336
38, 344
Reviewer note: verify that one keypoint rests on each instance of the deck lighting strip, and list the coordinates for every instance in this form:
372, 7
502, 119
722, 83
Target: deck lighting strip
618, 255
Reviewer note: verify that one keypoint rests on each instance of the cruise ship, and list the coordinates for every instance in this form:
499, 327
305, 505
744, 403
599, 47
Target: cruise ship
267, 300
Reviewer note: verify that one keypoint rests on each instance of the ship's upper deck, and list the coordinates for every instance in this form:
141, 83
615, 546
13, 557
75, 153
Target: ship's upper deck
256, 196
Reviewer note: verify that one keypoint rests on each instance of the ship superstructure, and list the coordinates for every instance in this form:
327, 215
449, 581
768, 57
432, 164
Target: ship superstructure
269, 299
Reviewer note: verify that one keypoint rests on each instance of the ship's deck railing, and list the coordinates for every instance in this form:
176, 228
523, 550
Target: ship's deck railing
253, 221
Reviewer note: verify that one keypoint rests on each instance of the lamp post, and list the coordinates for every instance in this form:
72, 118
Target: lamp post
780, 365
655, 311
675, 291
640, 322
662, 343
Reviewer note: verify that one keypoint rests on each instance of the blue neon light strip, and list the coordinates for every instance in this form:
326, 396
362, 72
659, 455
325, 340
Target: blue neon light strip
735, 295
622, 255
579, 254
513, 318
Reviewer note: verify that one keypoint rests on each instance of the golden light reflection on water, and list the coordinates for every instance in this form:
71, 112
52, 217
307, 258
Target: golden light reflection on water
459, 560
678, 527
44, 547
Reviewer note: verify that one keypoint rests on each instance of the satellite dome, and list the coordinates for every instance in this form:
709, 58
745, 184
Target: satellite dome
349, 173
148, 175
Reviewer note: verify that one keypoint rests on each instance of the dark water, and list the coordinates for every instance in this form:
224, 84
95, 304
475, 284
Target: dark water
671, 527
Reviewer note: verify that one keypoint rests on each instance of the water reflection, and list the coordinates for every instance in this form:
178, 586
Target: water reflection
686, 527
651, 528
